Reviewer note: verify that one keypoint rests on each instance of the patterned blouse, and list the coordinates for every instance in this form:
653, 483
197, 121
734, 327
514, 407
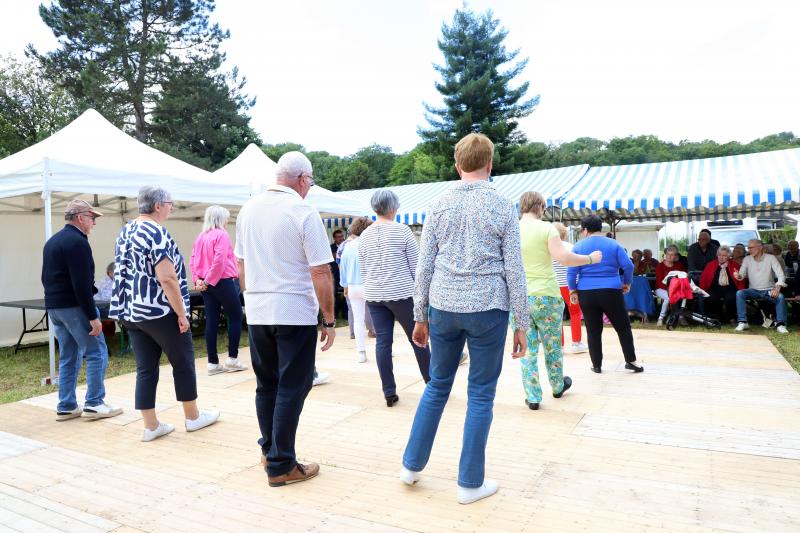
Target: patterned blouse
137, 294
470, 258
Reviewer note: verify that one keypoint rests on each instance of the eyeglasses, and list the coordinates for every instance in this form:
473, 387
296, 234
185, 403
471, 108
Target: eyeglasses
90, 215
311, 181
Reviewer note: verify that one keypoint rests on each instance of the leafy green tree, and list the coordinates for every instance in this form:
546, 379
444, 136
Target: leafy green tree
202, 112
275, 151
413, 167
31, 106
115, 55
476, 89
379, 161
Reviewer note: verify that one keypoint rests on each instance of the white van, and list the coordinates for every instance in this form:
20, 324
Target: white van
728, 232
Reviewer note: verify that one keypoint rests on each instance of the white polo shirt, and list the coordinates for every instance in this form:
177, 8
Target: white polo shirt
279, 236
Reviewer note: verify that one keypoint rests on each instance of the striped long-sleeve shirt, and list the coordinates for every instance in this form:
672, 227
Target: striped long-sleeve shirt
388, 256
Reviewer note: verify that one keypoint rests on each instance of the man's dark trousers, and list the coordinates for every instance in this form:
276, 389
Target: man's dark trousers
283, 362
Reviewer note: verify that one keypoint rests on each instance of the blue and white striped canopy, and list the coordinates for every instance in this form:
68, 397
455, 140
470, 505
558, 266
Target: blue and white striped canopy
415, 199
740, 185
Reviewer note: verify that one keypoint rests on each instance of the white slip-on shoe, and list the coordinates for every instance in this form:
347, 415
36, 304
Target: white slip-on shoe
68, 415
742, 326
466, 495
362, 357
579, 347
409, 477
660, 322
160, 431
232, 364
206, 418
782, 329
102, 410
320, 379
214, 369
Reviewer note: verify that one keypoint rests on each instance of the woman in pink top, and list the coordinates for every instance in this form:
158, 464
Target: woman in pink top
216, 276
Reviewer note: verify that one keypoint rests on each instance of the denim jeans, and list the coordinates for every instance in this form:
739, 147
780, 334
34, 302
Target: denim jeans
224, 294
485, 335
71, 328
755, 294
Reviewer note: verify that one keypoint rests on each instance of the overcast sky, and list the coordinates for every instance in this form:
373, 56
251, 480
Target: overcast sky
340, 75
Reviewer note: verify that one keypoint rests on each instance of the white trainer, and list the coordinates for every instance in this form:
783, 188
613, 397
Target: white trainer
214, 369
660, 322
320, 379
362, 357
742, 326
206, 418
160, 431
579, 347
68, 415
782, 329
103, 410
409, 477
466, 495
232, 364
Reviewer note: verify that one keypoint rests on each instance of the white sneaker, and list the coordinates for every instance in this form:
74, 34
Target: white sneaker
214, 369
660, 322
579, 347
466, 495
362, 358
205, 419
409, 477
782, 329
232, 364
321, 378
160, 431
742, 326
101, 411
68, 415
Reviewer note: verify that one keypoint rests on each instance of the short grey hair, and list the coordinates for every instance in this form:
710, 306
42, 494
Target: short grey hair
671, 248
292, 165
725, 248
384, 202
149, 196
216, 216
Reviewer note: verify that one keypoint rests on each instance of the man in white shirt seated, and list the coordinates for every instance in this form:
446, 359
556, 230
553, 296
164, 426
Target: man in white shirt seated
766, 281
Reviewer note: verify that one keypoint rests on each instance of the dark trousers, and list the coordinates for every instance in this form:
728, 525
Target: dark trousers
594, 303
225, 295
722, 302
283, 361
384, 314
149, 339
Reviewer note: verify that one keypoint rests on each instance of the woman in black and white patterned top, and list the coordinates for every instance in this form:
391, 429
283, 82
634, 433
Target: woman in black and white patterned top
388, 256
151, 300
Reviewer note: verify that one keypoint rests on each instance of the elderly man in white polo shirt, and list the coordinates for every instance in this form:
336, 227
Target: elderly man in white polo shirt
283, 255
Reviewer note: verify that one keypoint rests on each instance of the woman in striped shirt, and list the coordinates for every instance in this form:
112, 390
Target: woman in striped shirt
388, 256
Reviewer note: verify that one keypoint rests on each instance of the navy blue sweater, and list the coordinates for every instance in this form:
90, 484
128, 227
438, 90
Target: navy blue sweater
68, 272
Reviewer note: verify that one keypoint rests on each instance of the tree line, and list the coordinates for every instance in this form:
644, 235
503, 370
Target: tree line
154, 68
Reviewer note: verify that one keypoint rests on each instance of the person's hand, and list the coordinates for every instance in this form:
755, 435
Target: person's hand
573, 298
97, 327
345, 293
775, 292
520, 344
327, 335
596, 256
626, 288
183, 323
200, 285
738, 275
420, 335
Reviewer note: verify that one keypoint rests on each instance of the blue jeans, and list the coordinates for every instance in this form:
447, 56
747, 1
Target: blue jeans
224, 294
755, 294
485, 334
71, 328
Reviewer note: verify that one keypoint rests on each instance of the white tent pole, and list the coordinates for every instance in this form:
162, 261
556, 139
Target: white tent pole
48, 232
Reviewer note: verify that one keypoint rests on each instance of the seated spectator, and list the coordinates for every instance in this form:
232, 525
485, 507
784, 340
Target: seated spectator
792, 256
639, 265
106, 285
720, 282
738, 253
650, 262
669, 264
777, 251
714, 241
766, 281
702, 252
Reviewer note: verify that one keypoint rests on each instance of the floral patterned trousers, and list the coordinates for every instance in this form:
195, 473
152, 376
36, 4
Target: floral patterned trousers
546, 316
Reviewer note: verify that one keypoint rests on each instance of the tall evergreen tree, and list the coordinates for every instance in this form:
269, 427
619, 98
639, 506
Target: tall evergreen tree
115, 55
476, 89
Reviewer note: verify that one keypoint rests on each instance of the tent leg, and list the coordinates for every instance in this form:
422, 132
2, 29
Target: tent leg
48, 232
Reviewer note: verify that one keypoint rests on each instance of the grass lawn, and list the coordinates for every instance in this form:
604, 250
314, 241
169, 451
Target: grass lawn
21, 373
788, 345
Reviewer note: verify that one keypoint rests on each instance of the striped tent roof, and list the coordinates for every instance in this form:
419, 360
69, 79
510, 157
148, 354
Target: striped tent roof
415, 199
720, 187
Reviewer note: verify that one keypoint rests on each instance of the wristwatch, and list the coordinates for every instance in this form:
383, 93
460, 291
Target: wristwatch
329, 324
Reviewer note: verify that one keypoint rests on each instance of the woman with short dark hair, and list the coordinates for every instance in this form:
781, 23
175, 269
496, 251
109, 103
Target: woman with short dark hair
598, 289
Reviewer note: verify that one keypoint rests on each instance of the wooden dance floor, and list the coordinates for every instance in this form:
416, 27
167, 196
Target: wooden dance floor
707, 439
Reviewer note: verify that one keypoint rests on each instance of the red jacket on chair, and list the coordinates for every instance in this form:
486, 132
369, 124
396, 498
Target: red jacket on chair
707, 277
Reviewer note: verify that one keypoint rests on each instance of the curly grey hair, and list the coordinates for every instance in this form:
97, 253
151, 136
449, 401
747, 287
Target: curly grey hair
149, 196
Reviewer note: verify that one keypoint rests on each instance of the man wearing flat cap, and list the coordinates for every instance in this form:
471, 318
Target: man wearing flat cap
68, 279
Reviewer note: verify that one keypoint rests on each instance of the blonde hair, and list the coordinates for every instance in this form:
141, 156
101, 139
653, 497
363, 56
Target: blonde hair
532, 202
562, 230
216, 217
474, 152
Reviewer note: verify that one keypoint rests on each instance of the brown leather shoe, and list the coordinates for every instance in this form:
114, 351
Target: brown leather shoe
297, 474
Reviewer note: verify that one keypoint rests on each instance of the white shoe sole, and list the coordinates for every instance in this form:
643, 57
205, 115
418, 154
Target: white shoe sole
235, 368
467, 496
68, 416
96, 416
163, 429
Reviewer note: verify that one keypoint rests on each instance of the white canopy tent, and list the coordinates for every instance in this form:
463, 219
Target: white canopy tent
254, 171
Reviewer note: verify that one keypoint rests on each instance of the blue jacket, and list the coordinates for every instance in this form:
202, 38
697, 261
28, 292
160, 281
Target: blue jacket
602, 275
68, 272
